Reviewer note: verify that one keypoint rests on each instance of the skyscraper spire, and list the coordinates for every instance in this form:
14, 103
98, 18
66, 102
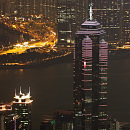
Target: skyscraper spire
29, 91
15, 92
20, 90
91, 11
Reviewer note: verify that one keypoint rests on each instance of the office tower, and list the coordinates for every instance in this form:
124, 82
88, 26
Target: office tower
90, 77
20, 7
66, 21
49, 10
126, 20
70, 14
13, 7
63, 120
1, 7
5, 109
113, 124
25, 7
1, 121
11, 122
108, 14
124, 126
36, 7
5, 7
22, 108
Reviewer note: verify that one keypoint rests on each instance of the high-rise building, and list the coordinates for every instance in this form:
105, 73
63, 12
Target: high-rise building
13, 7
36, 7
108, 13
22, 108
1, 7
49, 10
113, 124
66, 22
70, 14
126, 21
5, 7
5, 109
11, 122
25, 7
90, 77
63, 120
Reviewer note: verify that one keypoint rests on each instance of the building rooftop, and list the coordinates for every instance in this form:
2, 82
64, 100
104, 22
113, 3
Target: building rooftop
22, 97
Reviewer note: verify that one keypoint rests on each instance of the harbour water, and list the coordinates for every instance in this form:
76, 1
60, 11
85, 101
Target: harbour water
52, 88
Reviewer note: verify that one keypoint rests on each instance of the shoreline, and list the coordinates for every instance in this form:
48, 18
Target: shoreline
68, 58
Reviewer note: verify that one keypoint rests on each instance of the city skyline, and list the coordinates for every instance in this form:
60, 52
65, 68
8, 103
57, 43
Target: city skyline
67, 53
68, 15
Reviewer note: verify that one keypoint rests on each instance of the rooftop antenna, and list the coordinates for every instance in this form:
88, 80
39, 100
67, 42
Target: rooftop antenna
91, 11
15, 92
20, 90
29, 91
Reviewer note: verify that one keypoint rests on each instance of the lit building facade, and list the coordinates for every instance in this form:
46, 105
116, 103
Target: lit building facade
25, 7
5, 7
5, 109
70, 14
1, 7
11, 122
126, 21
22, 108
108, 13
36, 7
66, 23
13, 7
90, 77
49, 10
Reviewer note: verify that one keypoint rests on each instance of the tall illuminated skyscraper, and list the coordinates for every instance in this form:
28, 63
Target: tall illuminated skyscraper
126, 21
49, 10
90, 77
22, 108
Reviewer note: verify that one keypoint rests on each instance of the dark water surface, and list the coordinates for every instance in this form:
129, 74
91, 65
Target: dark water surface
51, 88
119, 89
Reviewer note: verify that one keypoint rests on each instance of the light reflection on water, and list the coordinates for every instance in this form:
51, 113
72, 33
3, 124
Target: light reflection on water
51, 88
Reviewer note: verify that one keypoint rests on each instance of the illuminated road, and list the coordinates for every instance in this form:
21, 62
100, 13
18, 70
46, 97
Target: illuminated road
38, 39
20, 48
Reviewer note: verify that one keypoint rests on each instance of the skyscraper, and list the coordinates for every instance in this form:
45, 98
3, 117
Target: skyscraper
66, 20
70, 14
90, 77
5, 109
5, 7
108, 13
49, 10
126, 21
22, 108
25, 7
